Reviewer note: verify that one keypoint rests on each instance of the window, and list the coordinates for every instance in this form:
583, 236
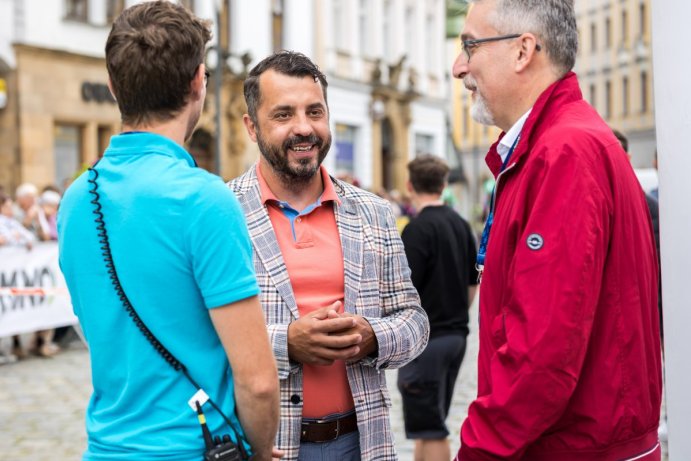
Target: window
624, 27
608, 99
77, 10
346, 136
608, 33
644, 92
642, 20
593, 37
67, 151
277, 24
424, 144
592, 95
625, 96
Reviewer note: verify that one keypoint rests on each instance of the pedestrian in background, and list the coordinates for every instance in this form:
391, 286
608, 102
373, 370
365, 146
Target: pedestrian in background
441, 252
569, 363
335, 283
145, 235
26, 207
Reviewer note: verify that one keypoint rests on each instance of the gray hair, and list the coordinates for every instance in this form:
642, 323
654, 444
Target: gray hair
552, 21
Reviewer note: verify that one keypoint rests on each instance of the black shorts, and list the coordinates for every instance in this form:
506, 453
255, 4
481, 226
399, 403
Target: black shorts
426, 385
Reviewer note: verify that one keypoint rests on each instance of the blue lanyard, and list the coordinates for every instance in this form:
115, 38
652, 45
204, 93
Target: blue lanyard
482, 251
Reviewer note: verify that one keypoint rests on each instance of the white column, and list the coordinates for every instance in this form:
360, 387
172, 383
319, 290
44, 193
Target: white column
672, 66
300, 26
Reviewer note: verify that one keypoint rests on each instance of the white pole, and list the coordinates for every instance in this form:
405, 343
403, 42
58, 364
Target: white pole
672, 67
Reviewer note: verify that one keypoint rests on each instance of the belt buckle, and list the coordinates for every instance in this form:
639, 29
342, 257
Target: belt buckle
320, 422
338, 429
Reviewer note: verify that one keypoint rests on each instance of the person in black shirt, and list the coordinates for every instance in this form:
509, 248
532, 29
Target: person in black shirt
441, 252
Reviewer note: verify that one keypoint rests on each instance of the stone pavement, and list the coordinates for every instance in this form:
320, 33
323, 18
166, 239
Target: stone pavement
42, 404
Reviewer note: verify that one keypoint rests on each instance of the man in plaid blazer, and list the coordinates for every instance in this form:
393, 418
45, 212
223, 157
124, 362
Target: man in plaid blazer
335, 283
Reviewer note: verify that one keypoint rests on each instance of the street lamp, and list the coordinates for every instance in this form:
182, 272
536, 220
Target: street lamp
222, 58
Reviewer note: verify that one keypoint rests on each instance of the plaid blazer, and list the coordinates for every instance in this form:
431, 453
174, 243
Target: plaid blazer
377, 286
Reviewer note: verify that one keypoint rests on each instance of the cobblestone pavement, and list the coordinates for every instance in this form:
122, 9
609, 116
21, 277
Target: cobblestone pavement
42, 404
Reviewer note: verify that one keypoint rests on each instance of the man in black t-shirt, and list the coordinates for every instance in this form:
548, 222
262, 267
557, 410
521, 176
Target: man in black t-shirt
441, 253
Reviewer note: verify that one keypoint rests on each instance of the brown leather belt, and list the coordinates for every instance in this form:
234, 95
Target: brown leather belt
325, 431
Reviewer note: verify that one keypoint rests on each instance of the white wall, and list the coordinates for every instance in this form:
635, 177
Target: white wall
298, 26
6, 31
251, 28
672, 66
45, 27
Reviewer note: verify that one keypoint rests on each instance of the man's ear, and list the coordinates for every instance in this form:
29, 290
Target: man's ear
250, 127
527, 51
198, 83
110, 88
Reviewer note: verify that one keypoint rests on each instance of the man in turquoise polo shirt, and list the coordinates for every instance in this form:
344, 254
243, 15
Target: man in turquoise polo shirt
177, 240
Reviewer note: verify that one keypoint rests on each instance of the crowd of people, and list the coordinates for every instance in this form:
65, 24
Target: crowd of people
29, 217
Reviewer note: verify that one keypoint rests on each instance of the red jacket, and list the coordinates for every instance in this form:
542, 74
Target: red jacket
569, 363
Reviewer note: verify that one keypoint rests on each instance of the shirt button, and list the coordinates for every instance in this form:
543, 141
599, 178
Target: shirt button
295, 399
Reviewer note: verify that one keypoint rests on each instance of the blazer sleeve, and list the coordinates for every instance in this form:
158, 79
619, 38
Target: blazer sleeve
402, 330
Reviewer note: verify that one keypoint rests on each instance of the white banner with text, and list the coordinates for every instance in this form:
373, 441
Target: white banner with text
33, 293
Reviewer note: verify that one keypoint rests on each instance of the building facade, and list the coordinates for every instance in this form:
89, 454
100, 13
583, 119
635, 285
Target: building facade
385, 63
384, 60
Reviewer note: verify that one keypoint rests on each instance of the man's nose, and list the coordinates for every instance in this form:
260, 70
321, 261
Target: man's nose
303, 125
460, 66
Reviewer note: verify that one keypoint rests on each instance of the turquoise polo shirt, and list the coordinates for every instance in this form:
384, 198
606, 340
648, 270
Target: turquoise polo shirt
180, 246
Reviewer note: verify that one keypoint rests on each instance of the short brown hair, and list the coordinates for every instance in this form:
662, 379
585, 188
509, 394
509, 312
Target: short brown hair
428, 174
290, 63
152, 54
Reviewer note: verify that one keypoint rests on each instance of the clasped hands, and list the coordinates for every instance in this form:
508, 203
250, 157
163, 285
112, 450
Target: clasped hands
323, 336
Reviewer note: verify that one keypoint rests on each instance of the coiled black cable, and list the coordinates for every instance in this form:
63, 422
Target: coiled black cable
107, 254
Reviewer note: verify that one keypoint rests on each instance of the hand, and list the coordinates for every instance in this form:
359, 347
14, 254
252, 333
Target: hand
319, 338
363, 328
275, 455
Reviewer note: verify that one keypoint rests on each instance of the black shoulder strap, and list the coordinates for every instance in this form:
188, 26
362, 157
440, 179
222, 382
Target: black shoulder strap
104, 241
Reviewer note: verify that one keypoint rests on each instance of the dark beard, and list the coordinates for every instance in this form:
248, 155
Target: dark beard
278, 159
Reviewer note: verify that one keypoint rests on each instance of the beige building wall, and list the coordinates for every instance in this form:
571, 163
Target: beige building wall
614, 66
9, 144
50, 92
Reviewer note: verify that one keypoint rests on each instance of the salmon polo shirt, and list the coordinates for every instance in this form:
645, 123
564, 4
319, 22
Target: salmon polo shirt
311, 248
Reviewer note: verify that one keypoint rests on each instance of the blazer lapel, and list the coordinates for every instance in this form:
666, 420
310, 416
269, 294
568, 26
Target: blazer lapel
265, 244
350, 229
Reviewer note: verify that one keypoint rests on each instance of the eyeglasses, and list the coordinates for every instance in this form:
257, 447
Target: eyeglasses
469, 45
206, 78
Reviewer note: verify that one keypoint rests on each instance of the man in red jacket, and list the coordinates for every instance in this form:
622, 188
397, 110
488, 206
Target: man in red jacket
569, 363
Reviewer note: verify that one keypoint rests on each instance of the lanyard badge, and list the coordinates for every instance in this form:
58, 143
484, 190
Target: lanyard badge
484, 240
